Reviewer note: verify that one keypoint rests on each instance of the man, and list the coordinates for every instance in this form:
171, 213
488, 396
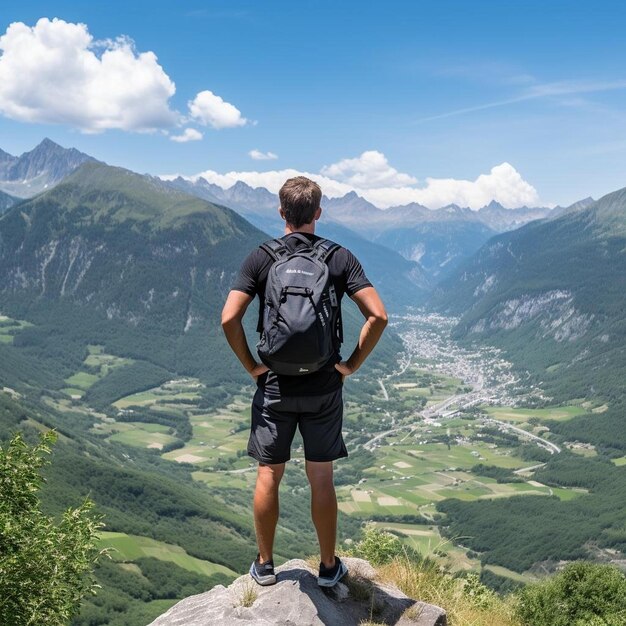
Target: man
313, 402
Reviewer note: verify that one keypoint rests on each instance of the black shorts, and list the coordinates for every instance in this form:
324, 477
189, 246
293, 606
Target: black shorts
274, 421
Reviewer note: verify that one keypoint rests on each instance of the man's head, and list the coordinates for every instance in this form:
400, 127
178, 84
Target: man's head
300, 200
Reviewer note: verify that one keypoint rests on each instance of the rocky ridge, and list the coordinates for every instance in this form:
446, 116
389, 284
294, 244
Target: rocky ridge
297, 600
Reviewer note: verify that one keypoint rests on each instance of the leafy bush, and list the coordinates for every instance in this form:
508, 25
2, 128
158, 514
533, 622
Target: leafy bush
583, 594
45, 567
378, 546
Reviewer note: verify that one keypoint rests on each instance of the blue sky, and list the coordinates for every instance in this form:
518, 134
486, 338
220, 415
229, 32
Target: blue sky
443, 89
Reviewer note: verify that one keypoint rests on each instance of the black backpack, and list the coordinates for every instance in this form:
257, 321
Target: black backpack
300, 323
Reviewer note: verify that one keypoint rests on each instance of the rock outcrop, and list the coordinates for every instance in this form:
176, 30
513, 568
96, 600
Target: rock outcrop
297, 600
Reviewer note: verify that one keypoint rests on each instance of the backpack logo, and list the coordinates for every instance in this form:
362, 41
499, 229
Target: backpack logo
289, 271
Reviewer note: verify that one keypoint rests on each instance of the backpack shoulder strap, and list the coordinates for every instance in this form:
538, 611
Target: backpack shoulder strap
276, 248
324, 248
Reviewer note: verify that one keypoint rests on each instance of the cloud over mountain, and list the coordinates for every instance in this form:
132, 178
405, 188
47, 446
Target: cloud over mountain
371, 176
55, 72
370, 170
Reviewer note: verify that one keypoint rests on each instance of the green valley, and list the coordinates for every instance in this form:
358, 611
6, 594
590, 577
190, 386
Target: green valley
488, 456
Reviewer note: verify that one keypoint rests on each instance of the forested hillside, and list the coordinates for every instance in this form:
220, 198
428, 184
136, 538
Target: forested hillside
551, 293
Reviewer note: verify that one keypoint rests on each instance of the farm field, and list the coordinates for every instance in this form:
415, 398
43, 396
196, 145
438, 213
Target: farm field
411, 478
417, 464
511, 414
144, 435
9, 327
428, 542
97, 365
180, 392
128, 548
421, 462
216, 435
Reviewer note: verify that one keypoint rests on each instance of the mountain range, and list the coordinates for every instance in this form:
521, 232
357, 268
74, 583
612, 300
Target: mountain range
401, 281
434, 242
439, 240
39, 169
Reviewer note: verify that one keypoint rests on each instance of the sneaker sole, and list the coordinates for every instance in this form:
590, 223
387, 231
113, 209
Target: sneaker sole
331, 582
270, 579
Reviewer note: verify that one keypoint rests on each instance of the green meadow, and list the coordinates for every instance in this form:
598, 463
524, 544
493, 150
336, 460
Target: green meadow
132, 547
9, 327
96, 366
511, 414
217, 435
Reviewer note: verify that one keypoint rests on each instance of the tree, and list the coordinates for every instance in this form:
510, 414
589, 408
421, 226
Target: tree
46, 566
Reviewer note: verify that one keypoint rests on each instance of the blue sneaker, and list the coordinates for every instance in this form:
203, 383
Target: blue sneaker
330, 576
263, 573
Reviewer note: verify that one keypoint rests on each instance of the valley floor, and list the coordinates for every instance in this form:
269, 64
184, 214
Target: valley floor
447, 423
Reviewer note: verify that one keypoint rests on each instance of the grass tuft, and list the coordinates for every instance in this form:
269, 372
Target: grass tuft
249, 594
464, 601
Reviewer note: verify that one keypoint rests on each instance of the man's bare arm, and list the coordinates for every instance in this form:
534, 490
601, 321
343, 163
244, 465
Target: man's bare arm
373, 311
232, 314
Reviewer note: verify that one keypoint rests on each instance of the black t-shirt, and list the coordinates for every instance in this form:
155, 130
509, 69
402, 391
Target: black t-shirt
347, 276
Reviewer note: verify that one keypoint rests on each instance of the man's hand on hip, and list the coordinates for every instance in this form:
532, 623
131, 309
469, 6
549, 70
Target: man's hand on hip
344, 369
257, 370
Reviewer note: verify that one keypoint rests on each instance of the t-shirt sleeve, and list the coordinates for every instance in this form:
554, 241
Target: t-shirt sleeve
248, 276
355, 275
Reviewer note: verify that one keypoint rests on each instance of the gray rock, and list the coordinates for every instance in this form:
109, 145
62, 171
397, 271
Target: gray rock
297, 600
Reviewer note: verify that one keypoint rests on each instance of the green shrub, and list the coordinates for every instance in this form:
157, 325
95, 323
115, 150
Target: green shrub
45, 566
378, 546
583, 594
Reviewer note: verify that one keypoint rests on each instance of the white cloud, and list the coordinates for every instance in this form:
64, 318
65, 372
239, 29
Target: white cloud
257, 155
189, 134
368, 171
211, 110
503, 183
54, 72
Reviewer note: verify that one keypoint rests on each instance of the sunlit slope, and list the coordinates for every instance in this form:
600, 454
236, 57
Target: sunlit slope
552, 293
110, 257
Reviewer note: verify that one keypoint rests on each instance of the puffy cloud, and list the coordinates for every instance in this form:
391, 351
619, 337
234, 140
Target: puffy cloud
368, 171
54, 72
503, 183
189, 134
257, 155
211, 110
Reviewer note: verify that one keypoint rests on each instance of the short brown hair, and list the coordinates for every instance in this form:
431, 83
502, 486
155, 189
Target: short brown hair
300, 198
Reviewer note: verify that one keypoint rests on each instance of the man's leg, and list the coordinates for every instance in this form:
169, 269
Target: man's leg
323, 507
266, 507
